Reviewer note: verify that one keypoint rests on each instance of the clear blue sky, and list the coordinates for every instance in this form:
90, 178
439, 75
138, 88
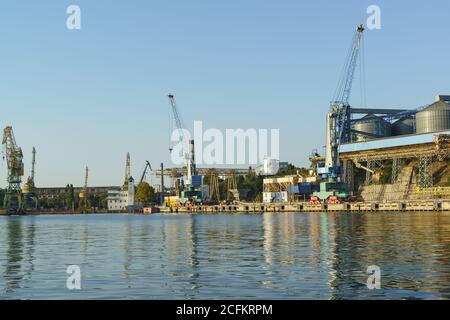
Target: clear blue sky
87, 97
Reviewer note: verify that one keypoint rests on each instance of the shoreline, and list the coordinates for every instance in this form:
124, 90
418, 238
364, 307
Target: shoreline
258, 208
304, 207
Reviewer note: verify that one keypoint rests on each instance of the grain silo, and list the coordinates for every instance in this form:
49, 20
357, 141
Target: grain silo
371, 127
434, 118
404, 126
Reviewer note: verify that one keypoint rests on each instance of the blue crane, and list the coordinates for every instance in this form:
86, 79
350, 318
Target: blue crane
338, 126
338, 121
148, 166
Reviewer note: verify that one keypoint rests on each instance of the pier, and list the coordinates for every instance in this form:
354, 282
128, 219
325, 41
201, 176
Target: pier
404, 206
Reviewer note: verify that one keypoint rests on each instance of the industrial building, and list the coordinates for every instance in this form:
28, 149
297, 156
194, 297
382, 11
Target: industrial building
412, 145
288, 188
54, 192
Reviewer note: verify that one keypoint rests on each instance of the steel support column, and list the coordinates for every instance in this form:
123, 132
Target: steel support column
426, 172
349, 174
372, 165
396, 170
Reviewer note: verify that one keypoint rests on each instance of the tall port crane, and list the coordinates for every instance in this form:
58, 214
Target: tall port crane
84, 194
338, 118
33, 166
190, 192
29, 189
127, 172
14, 159
30, 181
339, 127
188, 146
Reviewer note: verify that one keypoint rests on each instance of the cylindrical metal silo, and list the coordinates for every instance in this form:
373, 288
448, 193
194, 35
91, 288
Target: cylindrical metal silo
371, 127
403, 126
434, 118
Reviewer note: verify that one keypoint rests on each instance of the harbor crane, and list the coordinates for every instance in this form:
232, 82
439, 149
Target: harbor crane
127, 172
190, 186
14, 158
84, 194
29, 189
188, 146
33, 165
339, 127
338, 118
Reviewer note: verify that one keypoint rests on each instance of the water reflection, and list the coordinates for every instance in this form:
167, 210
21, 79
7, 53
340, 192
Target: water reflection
19, 258
13, 272
267, 256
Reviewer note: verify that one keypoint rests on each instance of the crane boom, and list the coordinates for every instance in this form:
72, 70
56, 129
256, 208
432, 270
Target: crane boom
176, 116
345, 85
147, 166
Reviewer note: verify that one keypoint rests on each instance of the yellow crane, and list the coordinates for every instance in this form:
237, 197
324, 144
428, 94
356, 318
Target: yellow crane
14, 158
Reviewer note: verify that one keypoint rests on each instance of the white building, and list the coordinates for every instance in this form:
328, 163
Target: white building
119, 200
275, 197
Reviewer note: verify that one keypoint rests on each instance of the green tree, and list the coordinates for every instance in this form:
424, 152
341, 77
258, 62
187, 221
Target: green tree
103, 200
145, 194
70, 197
61, 201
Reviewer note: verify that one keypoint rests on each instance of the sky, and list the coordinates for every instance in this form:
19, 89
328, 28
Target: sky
86, 97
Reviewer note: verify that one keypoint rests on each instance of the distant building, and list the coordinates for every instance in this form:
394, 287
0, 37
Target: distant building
121, 200
117, 200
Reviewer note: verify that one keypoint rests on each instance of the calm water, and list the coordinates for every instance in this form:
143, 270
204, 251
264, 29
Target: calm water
270, 256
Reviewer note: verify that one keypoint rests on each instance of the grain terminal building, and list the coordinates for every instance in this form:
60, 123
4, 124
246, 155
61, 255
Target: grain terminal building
414, 149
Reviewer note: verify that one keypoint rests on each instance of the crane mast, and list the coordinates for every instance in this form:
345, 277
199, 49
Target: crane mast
14, 159
338, 118
30, 199
86, 177
84, 201
126, 180
33, 164
30, 185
